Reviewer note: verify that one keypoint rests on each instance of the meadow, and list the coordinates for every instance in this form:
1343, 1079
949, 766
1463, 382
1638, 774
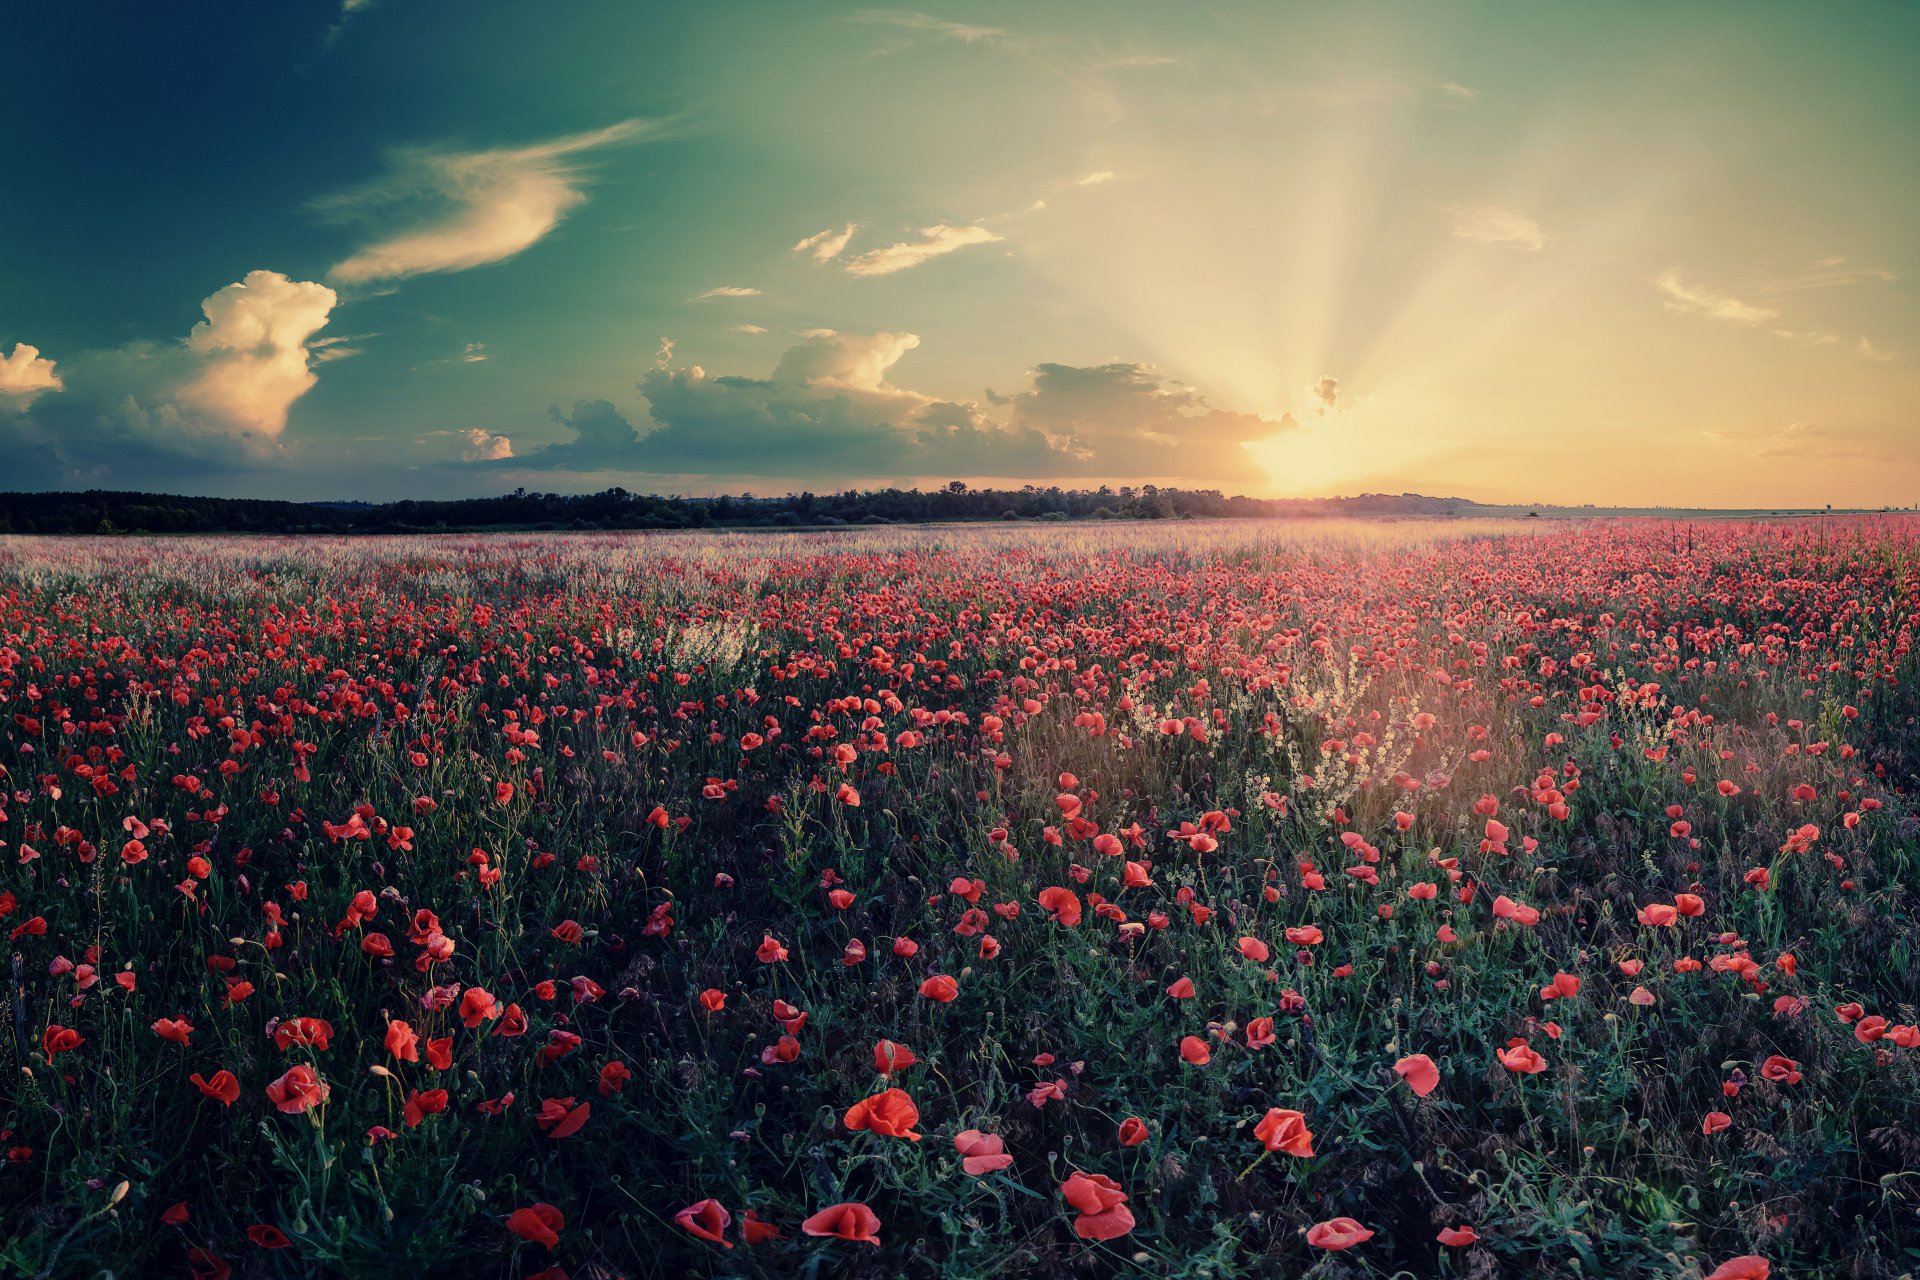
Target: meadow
1326, 899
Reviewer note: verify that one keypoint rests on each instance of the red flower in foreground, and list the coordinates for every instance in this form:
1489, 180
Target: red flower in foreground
559, 1118
1518, 1057
850, 1220
1748, 1266
708, 1220
981, 1153
1457, 1237
890, 1114
1101, 1205
223, 1088
1281, 1130
1418, 1071
889, 1057
940, 988
301, 1089
268, 1237
1133, 1131
1337, 1233
539, 1223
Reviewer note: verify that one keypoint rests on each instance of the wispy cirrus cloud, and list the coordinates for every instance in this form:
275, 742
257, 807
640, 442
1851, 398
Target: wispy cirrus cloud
1685, 299
471, 208
725, 291
827, 245
911, 20
934, 242
1492, 224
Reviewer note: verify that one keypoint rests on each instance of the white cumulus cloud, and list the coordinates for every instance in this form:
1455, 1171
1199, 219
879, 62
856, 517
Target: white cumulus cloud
253, 349
484, 446
26, 373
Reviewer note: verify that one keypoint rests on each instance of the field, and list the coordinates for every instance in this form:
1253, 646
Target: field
1343, 900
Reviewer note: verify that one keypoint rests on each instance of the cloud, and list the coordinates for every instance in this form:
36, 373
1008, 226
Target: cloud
1491, 224
934, 242
830, 409
748, 328
1124, 419
909, 20
1684, 299
474, 207
146, 411
826, 245
726, 291
253, 349
26, 374
475, 353
1327, 392
478, 446
1096, 178
1879, 355
1826, 273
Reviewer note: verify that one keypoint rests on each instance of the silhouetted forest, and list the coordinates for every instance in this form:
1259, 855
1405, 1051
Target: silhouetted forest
97, 511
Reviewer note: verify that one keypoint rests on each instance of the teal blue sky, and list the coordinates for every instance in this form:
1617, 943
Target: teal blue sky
1621, 253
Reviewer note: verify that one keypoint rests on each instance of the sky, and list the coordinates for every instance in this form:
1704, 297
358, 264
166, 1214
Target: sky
1626, 254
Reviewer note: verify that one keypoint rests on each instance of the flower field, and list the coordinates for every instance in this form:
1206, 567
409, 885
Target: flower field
1329, 899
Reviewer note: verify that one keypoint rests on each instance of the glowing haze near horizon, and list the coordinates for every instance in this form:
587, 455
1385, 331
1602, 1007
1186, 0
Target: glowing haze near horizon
1626, 254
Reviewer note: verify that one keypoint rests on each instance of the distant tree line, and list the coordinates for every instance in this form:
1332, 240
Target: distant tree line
100, 511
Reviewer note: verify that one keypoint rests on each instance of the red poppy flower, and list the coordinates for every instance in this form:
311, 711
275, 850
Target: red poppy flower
1457, 1237
1337, 1233
1748, 1266
847, 1221
940, 988
299, 1090
1132, 1131
1418, 1070
890, 1113
560, 1118
1281, 1130
539, 1224
981, 1153
1100, 1204
708, 1220
223, 1088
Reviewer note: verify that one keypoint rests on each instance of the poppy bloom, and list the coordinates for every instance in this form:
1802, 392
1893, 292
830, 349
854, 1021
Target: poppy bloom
1418, 1071
1132, 1131
223, 1088
1260, 1033
401, 1042
1748, 1266
175, 1214
889, 1057
1519, 1057
613, 1078
850, 1220
1182, 989
477, 1006
1457, 1237
755, 1231
1780, 1070
1337, 1233
708, 1220
268, 1237
174, 1029
940, 988
540, 1224
890, 1113
1195, 1050
1715, 1122
1254, 950
300, 1089
423, 1103
1100, 1204
560, 1118
59, 1039
1282, 1130
981, 1153
713, 1001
